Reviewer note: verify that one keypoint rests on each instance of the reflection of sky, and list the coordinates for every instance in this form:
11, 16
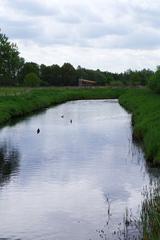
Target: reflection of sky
67, 172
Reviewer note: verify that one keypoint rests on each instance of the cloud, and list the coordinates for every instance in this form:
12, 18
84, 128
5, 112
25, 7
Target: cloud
32, 8
116, 60
19, 29
101, 26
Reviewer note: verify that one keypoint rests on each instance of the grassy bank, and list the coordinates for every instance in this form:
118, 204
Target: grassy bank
20, 102
145, 106
150, 213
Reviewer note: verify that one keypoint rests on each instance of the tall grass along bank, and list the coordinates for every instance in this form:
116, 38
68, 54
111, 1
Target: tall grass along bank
20, 102
144, 105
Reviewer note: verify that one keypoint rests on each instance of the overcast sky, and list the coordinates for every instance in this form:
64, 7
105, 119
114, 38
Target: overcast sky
112, 35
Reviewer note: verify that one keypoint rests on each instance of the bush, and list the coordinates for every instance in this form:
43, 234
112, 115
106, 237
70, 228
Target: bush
154, 82
31, 80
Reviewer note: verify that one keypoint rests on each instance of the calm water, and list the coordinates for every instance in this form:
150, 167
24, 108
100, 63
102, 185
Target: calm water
73, 181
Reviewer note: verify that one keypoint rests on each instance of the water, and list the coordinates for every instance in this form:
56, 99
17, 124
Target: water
72, 181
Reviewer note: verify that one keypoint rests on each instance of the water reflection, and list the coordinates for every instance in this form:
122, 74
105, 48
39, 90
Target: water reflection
75, 181
9, 163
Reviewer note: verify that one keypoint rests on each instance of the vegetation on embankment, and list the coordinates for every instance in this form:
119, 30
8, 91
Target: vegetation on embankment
17, 102
144, 104
145, 108
150, 213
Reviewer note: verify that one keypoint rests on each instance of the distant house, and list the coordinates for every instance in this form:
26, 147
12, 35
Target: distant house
86, 83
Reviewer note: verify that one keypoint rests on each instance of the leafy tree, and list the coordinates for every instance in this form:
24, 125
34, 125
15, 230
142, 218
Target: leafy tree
56, 74
109, 78
82, 73
28, 67
69, 76
44, 74
51, 75
135, 78
31, 80
145, 75
100, 78
154, 81
10, 61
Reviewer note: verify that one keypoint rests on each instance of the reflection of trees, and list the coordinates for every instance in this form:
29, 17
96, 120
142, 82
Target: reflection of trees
9, 162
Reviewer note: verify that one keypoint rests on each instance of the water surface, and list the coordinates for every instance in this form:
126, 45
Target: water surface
73, 181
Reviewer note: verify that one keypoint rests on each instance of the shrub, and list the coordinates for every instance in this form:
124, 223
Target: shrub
154, 82
31, 80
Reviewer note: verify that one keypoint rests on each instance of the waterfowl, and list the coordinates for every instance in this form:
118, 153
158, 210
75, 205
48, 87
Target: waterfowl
38, 131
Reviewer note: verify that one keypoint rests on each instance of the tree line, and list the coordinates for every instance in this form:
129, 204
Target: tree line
15, 71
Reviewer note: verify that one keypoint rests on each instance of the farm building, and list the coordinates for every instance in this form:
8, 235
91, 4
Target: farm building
86, 83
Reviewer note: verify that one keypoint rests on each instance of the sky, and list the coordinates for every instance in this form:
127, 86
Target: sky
111, 35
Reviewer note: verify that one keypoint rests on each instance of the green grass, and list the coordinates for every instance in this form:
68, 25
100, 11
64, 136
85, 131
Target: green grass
17, 102
145, 107
150, 213
13, 91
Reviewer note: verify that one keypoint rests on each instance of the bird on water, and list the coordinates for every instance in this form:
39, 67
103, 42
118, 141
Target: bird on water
71, 121
38, 131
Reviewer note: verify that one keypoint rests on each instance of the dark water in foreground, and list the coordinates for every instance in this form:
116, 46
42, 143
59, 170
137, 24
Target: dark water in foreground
73, 181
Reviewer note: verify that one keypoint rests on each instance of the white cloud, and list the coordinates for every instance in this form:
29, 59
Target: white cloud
115, 60
106, 34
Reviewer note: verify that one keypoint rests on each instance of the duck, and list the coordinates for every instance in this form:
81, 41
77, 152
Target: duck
38, 131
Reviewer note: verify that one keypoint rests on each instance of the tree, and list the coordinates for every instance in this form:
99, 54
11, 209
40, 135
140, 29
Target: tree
81, 73
10, 61
135, 78
31, 80
100, 77
69, 76
51, 75
145, 75
28, 67
109, 78
154, 81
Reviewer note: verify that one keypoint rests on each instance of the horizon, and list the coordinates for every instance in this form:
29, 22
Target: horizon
106, 35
